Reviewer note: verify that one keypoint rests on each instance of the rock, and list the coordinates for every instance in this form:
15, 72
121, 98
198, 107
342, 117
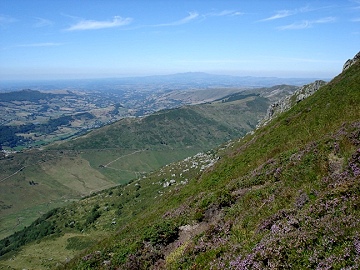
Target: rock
307, 90
107, 262
350, 62
166, 184
288, 102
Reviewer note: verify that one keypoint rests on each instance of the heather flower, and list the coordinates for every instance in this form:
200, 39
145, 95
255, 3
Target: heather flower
336, 148
357, 245
301, 200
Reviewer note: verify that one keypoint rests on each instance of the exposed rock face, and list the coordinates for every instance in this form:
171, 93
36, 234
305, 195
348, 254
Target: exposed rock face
350, 62
287, 102
307, 90
300, 94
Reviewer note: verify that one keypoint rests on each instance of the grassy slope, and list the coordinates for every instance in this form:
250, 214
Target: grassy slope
177, 128
115, 154
278, 188
284, 197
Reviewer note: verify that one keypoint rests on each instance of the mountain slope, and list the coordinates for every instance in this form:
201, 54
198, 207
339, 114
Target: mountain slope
116, 154
188, 126
286, 196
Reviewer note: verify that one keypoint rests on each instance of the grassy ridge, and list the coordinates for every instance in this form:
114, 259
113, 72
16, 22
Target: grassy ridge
200, 125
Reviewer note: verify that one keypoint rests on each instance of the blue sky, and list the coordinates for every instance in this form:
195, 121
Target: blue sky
83, 39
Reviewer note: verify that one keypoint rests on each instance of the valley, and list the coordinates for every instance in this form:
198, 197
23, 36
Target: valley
58, 110
74, 166
203, 172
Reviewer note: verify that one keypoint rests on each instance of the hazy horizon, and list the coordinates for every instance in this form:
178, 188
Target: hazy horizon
119, 77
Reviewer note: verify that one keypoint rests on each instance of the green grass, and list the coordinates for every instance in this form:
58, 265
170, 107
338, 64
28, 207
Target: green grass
79, 242
16, 221
286, 196
128, 148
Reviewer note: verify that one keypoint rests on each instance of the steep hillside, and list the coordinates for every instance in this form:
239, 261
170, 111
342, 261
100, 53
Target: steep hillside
116, 154
285, 197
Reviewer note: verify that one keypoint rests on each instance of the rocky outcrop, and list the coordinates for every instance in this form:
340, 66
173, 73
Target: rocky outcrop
300, 94
307, 90
350, 62
287, 102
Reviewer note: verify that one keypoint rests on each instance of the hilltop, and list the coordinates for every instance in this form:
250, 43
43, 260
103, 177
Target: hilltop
285, 196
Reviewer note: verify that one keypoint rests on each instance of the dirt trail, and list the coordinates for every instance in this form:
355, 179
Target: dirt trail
138, 151
15, 173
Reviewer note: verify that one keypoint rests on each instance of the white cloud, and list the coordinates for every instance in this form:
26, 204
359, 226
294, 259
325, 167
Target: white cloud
237, 13
92, 25
187, 19
325, 20
44, 44
293, 26
286, 13
224, 13
194, 15
306, 24
356, 20
280, 14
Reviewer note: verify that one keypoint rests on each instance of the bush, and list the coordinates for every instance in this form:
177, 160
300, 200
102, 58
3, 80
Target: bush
162, 233
94, 215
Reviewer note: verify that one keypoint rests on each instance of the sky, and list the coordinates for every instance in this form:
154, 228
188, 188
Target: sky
69, 39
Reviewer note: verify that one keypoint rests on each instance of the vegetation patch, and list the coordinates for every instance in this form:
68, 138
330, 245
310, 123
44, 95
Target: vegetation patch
79, 242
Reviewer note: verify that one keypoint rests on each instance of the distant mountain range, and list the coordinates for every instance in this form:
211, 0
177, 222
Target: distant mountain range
206, 79
182, 80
